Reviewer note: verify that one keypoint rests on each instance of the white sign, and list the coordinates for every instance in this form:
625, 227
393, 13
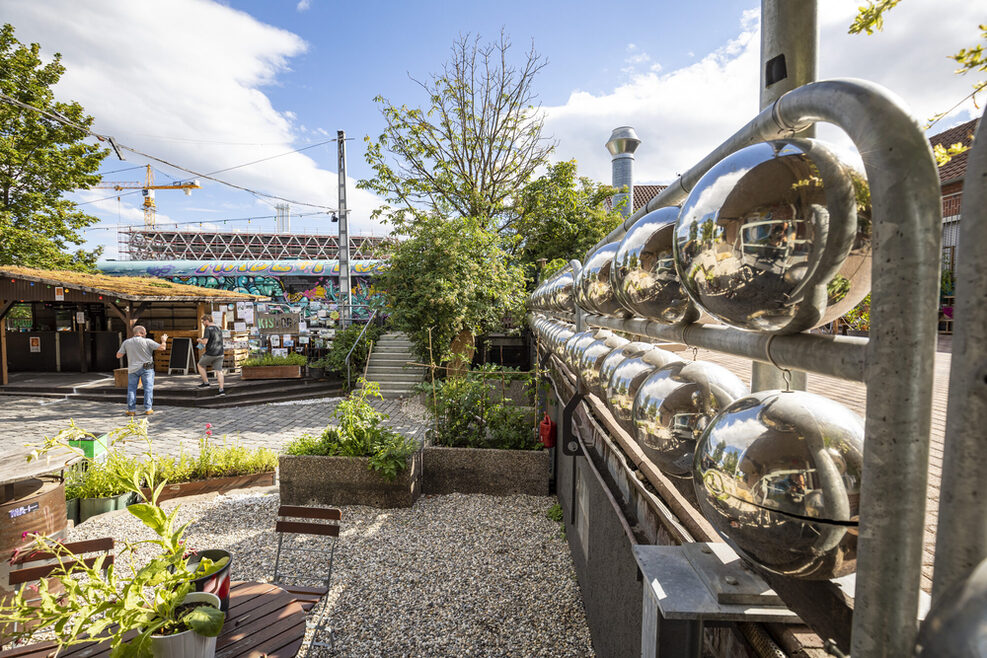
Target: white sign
80, 317
248, 315
302, 326
240, 326
303, 340
279, 351
276, 340
35, 343
59, 294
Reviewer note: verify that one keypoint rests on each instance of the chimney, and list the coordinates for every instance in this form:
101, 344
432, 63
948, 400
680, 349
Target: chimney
622, 144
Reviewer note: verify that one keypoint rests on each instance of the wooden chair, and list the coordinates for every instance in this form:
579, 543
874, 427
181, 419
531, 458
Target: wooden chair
34, 566
320, 522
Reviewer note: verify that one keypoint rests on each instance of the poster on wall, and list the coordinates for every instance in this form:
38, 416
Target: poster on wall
241, 308
303, 340
302, 326
279, 351
287, 341
35, 343
240, 326
248, 315
80, 317
59, 294
276, 340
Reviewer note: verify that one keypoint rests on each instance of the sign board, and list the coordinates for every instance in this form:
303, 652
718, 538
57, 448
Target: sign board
80, 317
181, 356
35, 343
279, 351
282, 323
59, 294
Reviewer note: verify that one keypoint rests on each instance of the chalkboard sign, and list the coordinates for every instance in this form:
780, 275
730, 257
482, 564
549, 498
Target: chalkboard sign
181, 356
280, 323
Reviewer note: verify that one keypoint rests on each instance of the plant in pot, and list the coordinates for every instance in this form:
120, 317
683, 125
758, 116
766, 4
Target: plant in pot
317, 368
141, 610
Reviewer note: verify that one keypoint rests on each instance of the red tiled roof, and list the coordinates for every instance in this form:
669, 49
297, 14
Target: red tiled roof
961, 134
644, 193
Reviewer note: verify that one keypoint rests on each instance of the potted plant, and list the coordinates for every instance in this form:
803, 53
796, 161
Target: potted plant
357, 461
268, 366
156, 601
317, 368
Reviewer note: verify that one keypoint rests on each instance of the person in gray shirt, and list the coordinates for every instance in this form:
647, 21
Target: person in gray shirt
139, 350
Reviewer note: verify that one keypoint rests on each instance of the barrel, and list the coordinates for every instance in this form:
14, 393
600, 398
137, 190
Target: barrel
32, 506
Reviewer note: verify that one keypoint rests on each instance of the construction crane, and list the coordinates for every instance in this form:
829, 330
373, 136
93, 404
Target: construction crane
148, 188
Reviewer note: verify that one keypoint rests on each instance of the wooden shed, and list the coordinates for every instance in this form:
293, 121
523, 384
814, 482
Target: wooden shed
62, 321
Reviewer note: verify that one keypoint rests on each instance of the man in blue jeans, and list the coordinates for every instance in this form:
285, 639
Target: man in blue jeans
140, 367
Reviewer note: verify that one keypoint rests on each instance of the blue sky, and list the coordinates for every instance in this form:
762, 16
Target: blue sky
213, 85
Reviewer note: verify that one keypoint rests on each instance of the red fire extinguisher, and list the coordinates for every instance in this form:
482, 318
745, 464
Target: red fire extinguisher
546, 432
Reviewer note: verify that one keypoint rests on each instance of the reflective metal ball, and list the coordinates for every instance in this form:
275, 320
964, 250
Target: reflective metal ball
675, 404
957, 625
643, 275
776, 238
631, 350
778, 475
574, 345
590, 358
621, 378
593, 290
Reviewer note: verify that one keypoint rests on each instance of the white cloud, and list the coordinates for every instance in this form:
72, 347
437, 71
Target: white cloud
303, 5
184, 81
681, 115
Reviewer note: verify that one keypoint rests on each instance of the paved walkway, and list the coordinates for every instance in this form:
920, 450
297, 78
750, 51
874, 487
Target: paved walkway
26, 420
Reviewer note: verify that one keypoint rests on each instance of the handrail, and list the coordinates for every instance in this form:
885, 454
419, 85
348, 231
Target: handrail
898, 359
357, 342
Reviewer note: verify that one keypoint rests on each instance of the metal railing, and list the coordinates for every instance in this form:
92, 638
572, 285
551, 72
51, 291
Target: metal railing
357, 342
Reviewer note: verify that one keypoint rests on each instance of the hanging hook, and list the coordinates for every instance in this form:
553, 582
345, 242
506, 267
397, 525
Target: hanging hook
695, 353
786, 373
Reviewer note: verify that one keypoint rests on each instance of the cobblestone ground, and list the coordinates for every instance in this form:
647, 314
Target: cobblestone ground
27, 420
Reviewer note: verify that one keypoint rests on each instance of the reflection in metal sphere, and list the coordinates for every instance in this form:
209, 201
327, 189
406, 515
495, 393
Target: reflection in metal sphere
778, 475
957, 626
631, 350
770, 239
590, 358
643, 275
621, 378
574, 345
675, 404
593, 290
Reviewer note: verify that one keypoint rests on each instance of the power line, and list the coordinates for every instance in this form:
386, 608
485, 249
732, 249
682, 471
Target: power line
199, 221
107, 198
116, 146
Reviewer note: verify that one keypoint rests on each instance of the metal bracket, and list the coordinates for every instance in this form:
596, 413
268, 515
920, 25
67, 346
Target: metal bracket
569, 445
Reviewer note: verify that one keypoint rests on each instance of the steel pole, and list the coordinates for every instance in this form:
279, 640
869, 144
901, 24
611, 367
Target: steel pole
345, 290
961, 538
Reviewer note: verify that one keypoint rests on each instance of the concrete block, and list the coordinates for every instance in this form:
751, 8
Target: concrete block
486, 471
315, 480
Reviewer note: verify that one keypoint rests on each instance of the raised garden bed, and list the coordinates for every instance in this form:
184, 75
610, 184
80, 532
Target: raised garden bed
319, 480
271, 372
485, 471
218, 485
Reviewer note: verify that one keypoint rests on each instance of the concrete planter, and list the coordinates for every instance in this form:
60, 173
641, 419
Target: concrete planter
271, 372
486, 471
221, 485
312, 480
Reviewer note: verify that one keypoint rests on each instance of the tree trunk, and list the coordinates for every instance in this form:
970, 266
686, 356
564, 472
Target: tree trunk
463, 347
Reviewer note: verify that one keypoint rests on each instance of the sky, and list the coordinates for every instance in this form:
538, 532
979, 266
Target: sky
212, 85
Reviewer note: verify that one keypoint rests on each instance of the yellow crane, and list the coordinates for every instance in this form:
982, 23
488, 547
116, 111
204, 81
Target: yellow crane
148, 188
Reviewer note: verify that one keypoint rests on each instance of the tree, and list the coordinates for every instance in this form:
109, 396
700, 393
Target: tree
451, 276
475, 143
561, 215
40, 159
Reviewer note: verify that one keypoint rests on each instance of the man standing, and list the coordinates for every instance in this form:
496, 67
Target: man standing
213, 356
140, 367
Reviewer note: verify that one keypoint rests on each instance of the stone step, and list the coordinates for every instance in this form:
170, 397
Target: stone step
396, 378
392, 340
391, 349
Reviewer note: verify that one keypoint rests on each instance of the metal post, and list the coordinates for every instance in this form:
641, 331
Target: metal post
789, 59
345, 290
961, 538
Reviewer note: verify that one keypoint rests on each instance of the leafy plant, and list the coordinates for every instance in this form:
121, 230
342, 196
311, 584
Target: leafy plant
555, 513
268, 359
859, 316
343, 341
109, 605
359, 432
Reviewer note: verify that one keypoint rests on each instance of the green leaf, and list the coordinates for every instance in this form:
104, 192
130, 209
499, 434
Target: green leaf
205, 620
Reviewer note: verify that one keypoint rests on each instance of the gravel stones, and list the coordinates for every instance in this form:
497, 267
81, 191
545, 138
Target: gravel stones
453, 575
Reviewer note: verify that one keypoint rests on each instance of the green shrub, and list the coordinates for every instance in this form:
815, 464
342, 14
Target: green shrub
268, 359
466, 413
359, 432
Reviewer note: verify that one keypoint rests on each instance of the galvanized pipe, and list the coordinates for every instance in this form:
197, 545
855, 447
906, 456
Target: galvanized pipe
961, 539
836, 356
900, 353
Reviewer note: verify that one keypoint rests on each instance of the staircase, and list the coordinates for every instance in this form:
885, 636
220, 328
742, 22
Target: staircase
388, 366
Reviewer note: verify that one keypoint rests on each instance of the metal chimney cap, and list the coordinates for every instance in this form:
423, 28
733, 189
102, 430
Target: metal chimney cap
623, 139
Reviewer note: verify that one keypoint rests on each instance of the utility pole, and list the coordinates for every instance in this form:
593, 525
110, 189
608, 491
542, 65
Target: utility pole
345, 291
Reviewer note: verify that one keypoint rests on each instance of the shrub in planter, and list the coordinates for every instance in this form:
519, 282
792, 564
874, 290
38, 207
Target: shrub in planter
112, 605
335, 359
267, 359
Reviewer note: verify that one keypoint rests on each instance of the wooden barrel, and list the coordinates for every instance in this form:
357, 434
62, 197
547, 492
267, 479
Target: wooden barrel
33, 506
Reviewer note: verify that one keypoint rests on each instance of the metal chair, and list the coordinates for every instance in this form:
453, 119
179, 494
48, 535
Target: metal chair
308, 597
33, 566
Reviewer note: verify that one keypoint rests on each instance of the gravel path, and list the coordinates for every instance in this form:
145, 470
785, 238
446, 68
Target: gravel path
455, 575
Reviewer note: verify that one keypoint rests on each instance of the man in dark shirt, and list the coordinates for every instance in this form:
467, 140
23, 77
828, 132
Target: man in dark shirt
212, 340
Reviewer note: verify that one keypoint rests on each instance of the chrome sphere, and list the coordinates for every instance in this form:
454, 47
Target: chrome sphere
631, 350
574, 345
778, 475
675, 404
622, 380
643, 275
560, 294
957, 626
770, 239
591, 357
593, 290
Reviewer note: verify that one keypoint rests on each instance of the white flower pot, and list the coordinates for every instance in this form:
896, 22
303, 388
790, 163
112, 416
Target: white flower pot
187, 644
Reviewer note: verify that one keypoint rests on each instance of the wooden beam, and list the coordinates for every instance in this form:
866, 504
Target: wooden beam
4, 308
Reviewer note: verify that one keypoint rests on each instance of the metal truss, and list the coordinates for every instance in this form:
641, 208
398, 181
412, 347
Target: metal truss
157, 244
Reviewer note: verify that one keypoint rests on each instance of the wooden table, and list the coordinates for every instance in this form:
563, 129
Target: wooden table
264, 620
